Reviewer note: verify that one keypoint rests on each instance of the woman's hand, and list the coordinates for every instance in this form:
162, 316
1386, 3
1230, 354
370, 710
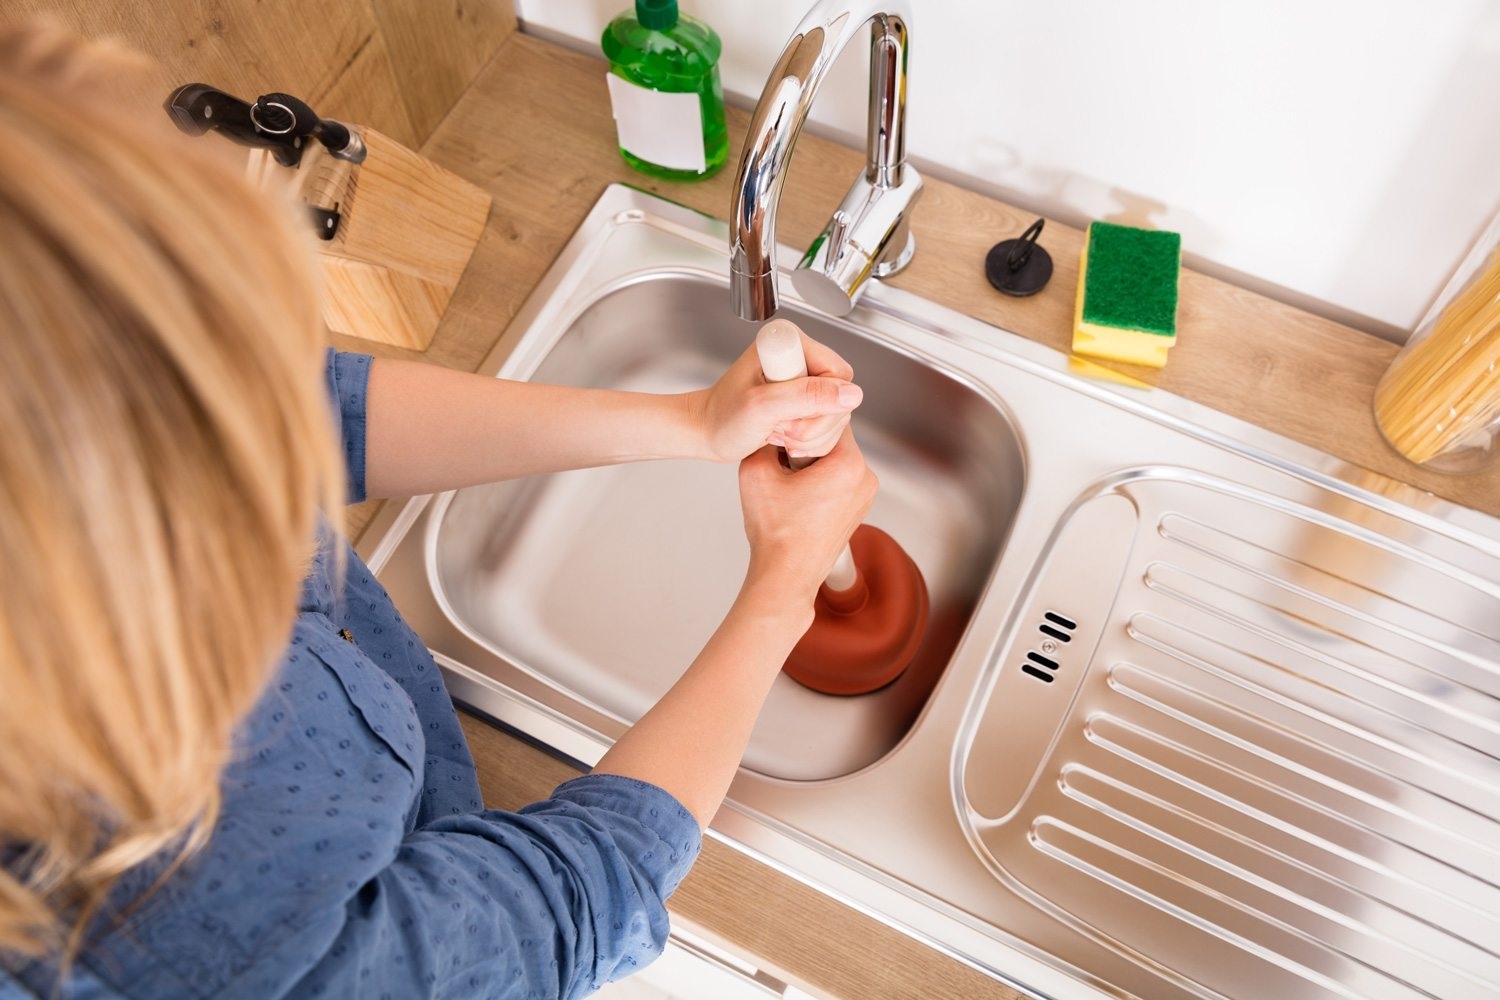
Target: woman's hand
742, 412
798, 522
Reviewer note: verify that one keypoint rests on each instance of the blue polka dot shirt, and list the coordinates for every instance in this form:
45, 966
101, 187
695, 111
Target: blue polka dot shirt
353, 856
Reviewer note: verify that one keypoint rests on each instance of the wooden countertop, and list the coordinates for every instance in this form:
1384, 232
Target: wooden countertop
534, 129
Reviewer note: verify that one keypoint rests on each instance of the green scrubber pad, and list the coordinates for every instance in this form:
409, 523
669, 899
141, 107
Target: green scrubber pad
1127, 294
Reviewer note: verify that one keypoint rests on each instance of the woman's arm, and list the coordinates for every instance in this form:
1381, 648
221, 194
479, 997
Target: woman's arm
431, 429
690, 743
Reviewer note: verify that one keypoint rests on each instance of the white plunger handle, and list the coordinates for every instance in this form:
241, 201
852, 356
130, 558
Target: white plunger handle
779, 344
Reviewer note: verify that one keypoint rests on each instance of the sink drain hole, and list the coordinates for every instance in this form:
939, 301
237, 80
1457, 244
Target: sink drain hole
1056, 627
1040, 660
1057, 619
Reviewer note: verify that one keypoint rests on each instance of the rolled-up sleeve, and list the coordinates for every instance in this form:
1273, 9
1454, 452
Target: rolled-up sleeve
552, 901
348, 378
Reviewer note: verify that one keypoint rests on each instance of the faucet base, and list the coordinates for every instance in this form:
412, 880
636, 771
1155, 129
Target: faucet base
890, 265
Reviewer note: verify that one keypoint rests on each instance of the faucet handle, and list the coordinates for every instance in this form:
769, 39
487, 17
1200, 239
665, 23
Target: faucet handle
838, 231
869, 235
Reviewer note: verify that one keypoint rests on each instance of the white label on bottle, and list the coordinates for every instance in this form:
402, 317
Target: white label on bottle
665, 129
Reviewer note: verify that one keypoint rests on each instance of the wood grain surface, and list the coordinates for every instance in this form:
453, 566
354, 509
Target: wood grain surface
394, 65
409, 229
437, 47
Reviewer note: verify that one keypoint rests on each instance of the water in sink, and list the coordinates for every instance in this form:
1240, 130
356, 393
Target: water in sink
607, 582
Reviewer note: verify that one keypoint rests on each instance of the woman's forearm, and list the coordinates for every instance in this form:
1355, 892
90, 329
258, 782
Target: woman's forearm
690, 743
431, 429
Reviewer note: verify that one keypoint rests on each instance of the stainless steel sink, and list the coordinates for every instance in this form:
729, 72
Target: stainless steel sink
1202, 712
607, 582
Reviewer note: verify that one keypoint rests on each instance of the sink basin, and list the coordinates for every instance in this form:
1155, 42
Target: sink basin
607, 582
1201, 712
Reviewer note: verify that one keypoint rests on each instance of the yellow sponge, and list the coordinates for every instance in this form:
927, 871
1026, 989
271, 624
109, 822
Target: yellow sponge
1127, 294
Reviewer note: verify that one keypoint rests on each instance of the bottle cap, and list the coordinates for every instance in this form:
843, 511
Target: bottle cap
658, 15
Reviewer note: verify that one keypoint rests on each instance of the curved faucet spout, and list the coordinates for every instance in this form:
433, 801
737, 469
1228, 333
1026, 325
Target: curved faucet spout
869, 234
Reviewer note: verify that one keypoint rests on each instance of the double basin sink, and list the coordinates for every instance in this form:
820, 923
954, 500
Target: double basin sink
1199, 711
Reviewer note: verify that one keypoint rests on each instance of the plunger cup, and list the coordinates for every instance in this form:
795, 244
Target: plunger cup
871, 612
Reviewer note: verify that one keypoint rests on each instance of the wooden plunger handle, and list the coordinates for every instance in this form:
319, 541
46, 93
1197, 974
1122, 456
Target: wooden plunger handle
779, 344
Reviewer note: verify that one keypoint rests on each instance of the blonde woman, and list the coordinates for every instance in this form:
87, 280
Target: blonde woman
227, 767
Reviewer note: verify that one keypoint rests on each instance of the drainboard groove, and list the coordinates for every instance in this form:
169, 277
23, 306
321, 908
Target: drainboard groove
1194, 874
1258, 739
1396, 752
1434, 923
1470, 656
1438, 701
1213, 913
1296, 527
1324, 586
1178, 763
1368, 862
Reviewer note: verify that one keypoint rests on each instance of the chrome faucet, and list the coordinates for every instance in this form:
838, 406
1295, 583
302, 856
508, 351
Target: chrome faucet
870, 233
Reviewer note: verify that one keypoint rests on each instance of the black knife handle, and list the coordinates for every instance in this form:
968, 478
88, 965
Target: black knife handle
289, 116
196, 108
283, 114
325, 221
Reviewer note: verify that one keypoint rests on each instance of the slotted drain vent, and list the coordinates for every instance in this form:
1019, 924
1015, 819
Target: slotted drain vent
1057, 630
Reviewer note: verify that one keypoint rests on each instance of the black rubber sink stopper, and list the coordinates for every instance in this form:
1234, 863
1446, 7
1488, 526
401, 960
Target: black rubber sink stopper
1019, 266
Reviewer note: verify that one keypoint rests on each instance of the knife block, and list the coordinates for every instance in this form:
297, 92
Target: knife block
406, 231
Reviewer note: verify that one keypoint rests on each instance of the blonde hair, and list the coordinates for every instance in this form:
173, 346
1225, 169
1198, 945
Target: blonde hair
166, 450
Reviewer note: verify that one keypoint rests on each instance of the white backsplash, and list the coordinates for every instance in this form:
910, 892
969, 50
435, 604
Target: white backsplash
1340, 154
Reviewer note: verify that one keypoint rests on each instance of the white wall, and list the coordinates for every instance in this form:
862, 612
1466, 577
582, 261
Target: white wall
1340, 154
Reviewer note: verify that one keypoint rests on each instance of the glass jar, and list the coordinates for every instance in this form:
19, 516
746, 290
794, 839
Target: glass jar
1439, 402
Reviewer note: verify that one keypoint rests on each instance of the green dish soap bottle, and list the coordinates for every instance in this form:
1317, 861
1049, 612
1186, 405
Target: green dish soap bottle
665, 91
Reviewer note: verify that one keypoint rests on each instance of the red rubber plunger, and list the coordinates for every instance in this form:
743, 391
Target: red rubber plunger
863, 638
870, 615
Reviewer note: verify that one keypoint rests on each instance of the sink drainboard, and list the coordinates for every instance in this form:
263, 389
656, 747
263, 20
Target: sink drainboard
1247, 766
